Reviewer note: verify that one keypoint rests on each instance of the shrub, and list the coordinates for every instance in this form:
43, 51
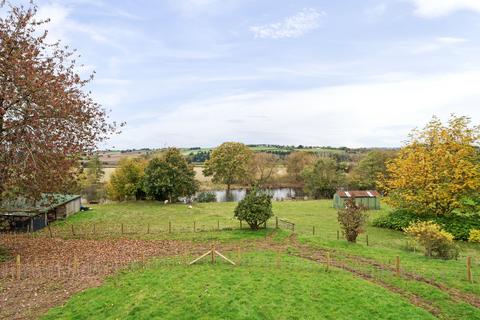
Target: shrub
206, 197
352, 218
474, 235
457, 224
437, 242
255, 208
396, 220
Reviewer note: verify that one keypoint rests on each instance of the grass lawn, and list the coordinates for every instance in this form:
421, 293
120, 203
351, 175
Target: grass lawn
298, 289
384, 246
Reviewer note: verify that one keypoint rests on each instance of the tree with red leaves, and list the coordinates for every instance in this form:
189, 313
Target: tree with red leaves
47, 118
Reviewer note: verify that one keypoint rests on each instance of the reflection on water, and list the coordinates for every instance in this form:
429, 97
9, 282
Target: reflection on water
277, 194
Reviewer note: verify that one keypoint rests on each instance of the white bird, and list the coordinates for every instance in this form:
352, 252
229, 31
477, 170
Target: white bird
190, 207
166, 201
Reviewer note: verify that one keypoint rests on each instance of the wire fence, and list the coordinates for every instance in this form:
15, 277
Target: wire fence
467, 269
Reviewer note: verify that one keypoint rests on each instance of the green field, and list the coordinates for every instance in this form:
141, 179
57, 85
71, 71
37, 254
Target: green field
298, 289
358, 270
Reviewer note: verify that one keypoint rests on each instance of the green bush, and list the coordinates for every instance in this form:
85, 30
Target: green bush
206, 196
437, 242
396, 220
457, 224
255, 208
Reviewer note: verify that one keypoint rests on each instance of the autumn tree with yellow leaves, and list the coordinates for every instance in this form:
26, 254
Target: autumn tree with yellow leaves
437, 168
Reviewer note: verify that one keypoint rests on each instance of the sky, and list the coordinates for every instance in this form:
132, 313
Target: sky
350, 73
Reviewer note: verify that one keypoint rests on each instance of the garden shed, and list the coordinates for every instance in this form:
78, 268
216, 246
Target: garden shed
24, 215
368, 198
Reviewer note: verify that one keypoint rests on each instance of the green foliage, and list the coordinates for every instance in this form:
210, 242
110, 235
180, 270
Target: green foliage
474, 235
397, 220
323, 178
229, 163
90, 180
206, 196
437, 242
352, 219
126, 183
255, 208
458, 225
170, 177
373, 164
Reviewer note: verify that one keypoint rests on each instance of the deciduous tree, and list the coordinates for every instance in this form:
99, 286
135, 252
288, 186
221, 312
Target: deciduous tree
370, 168
262, 168
296, 163
126, 182
437, 168
47, 118
170, 176
323, 178
229, 163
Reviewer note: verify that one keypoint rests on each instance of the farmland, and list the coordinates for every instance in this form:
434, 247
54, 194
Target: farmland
360, 279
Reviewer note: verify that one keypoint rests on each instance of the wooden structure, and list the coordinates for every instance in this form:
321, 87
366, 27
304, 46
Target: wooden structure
368, 198
212, 253
24, 215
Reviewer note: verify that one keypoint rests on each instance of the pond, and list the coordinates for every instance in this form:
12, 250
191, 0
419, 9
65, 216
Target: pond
278, 194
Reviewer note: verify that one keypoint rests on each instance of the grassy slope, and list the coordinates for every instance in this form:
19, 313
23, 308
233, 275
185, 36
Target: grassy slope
303, 290
385, 245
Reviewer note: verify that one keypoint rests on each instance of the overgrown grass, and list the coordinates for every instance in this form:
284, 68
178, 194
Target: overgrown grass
297, 289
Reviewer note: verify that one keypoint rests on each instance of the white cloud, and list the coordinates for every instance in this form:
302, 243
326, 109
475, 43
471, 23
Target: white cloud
438, 8
431, 45
294, 26
372, 114
451, 40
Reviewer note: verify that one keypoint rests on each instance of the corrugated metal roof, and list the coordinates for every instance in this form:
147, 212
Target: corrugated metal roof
23, 207
358, 193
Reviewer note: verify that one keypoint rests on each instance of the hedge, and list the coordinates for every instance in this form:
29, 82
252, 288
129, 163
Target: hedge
458, 225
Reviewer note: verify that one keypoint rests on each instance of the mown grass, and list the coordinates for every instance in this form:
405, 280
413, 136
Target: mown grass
384, 245
296, 289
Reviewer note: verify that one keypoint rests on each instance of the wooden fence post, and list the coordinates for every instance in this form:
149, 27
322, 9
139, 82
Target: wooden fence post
276, 222
240, 224
367, 240
213, 254
50, 231
397, 266
469, 270
73, 230
18, 269
122, 228
313, 230
293, 227
218, 225
338, 235
239, 255
194, 227
148, 228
